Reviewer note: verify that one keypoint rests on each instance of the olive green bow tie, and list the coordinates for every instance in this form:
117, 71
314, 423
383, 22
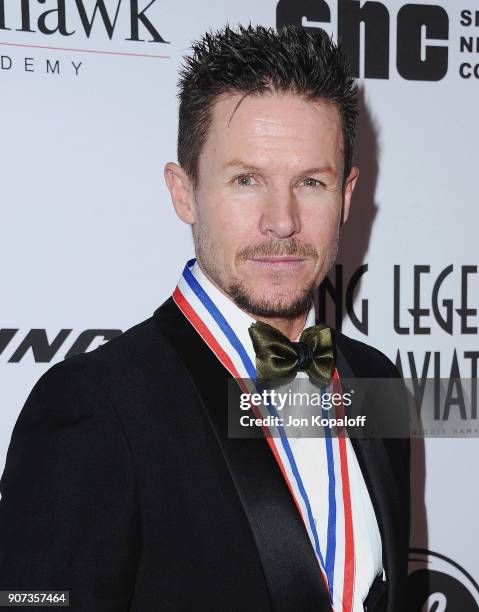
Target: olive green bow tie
278, 357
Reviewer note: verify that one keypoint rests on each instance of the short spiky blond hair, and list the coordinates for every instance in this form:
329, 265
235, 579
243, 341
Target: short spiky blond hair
255, 60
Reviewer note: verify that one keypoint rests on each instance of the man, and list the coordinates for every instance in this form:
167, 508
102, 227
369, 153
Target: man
121, 483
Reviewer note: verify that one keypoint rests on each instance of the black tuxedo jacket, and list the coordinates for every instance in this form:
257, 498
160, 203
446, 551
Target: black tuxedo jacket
122, 486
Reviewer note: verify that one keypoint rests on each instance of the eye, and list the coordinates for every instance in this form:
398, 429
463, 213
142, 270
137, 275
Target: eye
245, 180
312, 182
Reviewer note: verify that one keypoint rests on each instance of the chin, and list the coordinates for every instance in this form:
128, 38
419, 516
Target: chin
281, 303
285, 298
272, 292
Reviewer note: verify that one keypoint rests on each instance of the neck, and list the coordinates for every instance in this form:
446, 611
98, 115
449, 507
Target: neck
291, 328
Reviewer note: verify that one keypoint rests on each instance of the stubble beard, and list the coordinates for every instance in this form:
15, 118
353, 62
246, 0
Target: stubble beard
282, 307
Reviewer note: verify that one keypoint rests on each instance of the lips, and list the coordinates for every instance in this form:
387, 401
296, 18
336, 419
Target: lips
278, 262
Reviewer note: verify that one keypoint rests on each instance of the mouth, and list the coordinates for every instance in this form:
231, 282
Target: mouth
278, 262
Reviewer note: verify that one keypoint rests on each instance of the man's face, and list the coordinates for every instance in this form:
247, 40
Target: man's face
269, 201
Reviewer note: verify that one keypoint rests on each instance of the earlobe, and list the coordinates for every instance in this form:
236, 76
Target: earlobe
181, 190
348, 192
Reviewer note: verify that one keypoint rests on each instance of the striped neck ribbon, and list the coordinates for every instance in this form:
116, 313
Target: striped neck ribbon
336, 563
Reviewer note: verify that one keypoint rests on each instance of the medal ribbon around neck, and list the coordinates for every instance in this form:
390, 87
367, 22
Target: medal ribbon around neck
200, 310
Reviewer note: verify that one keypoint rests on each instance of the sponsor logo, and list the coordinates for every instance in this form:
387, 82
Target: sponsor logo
27, 16
431, 301
37, 344
440, 584
419, 50
66, 25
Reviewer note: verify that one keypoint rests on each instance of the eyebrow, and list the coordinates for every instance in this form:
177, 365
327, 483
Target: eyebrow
236, 163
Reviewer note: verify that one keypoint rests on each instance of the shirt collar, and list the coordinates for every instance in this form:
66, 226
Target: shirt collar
237, 318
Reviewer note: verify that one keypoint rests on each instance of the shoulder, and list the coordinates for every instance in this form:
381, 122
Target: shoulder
366, 360
84, 382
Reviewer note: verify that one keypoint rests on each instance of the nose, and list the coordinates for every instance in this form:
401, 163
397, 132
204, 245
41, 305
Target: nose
280, 216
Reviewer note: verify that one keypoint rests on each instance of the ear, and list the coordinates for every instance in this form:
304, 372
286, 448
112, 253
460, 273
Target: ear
348, 192
181, 190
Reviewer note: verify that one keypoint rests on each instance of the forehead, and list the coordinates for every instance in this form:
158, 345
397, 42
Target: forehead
273, 129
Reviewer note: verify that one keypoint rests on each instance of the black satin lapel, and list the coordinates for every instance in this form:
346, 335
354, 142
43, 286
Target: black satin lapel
378, 476
290, 567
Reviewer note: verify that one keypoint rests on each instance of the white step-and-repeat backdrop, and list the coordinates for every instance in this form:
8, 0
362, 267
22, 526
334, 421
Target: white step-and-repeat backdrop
90, 245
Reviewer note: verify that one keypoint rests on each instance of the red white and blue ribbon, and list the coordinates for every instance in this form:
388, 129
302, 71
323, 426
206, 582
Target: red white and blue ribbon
337, 564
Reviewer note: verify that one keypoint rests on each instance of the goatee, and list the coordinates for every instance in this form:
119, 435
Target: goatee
279, 308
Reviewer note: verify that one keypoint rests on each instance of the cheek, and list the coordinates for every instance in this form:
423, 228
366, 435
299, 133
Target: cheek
321, 226
227, 219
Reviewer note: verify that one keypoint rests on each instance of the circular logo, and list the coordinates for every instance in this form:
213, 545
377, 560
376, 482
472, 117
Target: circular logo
439, 584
